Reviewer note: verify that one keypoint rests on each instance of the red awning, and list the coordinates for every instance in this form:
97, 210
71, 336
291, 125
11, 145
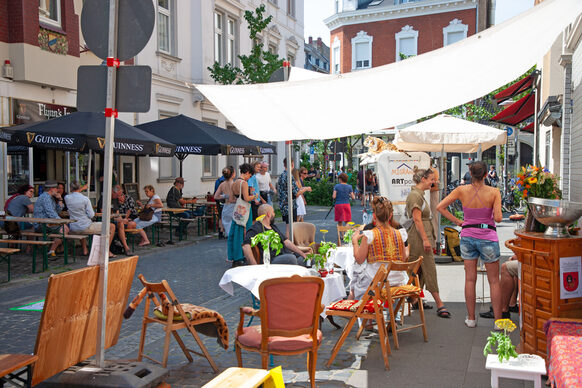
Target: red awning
520, 86
528, 128
517, 112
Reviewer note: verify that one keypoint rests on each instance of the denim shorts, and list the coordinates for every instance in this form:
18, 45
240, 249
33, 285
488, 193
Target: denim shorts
474, 248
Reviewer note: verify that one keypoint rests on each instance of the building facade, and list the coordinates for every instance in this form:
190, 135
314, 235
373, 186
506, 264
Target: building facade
316, 56
41, 47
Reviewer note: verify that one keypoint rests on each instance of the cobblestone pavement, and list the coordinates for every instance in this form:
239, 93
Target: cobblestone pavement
193, 270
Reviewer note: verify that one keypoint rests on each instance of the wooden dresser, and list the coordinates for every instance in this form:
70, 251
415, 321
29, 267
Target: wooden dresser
540, 285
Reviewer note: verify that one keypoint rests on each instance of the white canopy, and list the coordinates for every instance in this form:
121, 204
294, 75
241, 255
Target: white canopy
449, 134
397, 93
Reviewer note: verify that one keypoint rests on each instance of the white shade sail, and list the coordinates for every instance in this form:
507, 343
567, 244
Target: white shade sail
398, 93
449, 134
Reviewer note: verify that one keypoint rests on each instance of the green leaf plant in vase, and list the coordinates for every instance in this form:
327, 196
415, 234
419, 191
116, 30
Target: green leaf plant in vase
320, 256
348, 234
268, 239
505, 349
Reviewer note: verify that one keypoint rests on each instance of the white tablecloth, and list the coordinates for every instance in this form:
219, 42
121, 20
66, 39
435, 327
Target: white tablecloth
344, 258
251, 277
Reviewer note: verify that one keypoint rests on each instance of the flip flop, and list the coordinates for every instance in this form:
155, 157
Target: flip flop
443, 312
142, 244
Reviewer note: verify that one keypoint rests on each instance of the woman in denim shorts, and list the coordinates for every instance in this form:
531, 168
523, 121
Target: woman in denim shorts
482, 209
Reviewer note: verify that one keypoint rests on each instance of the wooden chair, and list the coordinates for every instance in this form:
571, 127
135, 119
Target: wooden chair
172, 323
304, 235
400, 294
361, 311
341, 230
289, 313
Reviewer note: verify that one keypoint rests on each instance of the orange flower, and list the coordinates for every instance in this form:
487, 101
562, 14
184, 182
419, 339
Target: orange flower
525, 193
527, 186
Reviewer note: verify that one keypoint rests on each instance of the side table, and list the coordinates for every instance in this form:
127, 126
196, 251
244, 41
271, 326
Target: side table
519, 369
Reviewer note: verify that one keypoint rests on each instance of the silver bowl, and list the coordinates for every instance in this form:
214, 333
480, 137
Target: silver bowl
556, 214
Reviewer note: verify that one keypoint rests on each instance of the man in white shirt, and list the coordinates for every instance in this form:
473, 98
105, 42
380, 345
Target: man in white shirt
81, 210
265, 184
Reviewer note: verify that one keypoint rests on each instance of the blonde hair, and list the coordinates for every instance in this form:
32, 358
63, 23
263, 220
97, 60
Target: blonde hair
419, 173
383, 209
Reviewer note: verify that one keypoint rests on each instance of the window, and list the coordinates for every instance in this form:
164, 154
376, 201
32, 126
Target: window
225, 38
316, 61
273, 49
291, 8
165, 26
209, 162
406, 42
273, 2
336, 6
362, 51
336, 59
454, 32
548, 147
291, 59
49, 11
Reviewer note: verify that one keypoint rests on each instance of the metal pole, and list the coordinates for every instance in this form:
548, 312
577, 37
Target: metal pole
77, 166
286, 67
505, 155
536, 126
89, 175
108, 168
30, 167
68, 173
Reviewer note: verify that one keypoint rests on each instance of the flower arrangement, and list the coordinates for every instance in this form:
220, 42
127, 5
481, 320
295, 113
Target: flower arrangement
534, 181
320, 256
505, 349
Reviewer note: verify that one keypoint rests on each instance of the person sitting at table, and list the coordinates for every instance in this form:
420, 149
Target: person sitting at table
127, 212
288, 254
154, 202
81, 210
48, 205
19, 205
377, 246
174, 200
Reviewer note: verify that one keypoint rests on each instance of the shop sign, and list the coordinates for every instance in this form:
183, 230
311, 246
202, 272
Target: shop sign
25, 112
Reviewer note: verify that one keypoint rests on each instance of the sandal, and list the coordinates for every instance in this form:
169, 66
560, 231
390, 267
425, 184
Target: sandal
443, 312
425, 305
143, 244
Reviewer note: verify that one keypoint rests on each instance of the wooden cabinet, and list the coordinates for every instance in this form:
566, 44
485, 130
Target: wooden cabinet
540, 285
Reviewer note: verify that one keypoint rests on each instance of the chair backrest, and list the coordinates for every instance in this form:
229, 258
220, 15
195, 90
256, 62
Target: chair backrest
411, 267
303, 233
341, 230
290, 306
257, 254
167, 298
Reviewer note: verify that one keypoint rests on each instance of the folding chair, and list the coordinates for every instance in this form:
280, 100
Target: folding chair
369, 307
400, 294
176, 319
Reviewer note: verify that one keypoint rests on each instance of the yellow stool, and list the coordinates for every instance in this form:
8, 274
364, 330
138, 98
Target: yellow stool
248, 378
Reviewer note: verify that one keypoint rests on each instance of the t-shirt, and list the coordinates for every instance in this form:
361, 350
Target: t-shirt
19, 205
264, 180
253, 185
343, 193
157, 210
218, 182
81, 210
173, 198
257, 228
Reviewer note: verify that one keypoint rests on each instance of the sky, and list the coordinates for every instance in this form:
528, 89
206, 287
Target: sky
317, 10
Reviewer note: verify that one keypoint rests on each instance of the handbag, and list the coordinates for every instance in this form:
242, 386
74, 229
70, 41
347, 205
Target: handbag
146, 214
12, 228
242, 209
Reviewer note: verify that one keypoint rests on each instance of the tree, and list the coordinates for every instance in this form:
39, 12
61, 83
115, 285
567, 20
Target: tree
259, 65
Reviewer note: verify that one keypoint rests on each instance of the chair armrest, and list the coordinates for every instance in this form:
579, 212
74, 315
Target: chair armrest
245, 310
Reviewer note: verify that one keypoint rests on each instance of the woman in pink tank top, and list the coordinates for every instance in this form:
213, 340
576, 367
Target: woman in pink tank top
482, 209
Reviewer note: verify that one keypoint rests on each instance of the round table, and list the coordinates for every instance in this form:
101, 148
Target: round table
251, 277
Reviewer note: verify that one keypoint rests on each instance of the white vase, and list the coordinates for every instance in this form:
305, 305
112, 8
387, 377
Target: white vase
266, 257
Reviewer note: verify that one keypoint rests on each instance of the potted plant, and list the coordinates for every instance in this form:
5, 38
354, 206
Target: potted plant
505, 349
536, 182
320, 256
268, 239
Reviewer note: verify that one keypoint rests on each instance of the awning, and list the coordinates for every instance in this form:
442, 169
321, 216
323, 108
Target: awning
519, 87
528, 128
517, 112
388, 95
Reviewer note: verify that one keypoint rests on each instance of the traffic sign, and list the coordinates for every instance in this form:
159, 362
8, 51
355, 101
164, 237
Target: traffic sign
135, 18
509, 131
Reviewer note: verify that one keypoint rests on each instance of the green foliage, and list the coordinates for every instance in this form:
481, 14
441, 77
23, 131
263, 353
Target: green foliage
268, 239
460, 215
321, 193
320, 257
256, 67
505, 349
304, 160
348, 235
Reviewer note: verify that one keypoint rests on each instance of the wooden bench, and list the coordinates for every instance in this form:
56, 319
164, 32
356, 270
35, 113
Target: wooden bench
5, 254
132, 233
10, 363
74, 237
35, 244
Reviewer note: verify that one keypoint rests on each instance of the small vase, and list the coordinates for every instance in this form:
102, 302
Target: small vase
266, 257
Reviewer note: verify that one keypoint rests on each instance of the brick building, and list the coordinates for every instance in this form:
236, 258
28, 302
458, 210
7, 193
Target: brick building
370, 33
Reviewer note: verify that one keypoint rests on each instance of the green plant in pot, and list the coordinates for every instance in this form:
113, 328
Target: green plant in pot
268, 239
320, 256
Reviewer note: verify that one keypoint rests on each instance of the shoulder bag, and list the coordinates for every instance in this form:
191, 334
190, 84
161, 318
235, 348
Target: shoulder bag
241, 209
147, 213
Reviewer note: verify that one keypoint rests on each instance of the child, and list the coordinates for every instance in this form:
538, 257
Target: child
342, 192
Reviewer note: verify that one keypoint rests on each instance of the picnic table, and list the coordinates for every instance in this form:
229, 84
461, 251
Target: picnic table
44, 222
172, 211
